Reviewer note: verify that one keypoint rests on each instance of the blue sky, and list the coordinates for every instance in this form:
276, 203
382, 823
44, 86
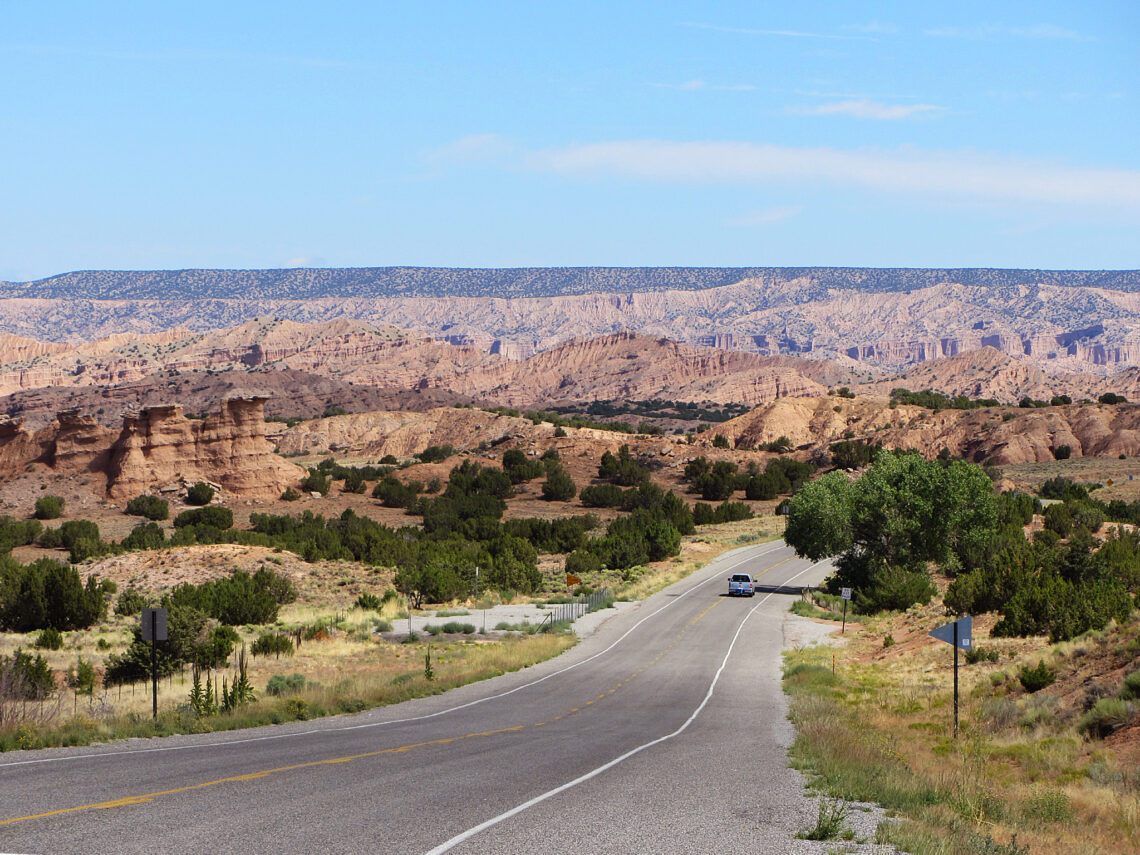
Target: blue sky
170, 135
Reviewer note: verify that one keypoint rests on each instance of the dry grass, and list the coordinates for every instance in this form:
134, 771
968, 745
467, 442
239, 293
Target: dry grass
343, 673
881, 730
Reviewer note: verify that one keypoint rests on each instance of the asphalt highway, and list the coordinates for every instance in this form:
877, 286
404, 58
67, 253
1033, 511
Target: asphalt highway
663, 731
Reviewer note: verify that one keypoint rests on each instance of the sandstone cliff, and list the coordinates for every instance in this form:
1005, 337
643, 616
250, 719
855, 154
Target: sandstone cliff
230, 448
156, 447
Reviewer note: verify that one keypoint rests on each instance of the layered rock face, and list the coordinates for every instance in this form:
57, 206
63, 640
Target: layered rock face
1030, 436
230, 448
155, 447
404, 433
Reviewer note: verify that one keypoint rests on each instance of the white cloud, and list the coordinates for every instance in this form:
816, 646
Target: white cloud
767, 217
471, 148
696, 85
990, 31
687, 86
866, 109
939, 174
795, 34
875, 27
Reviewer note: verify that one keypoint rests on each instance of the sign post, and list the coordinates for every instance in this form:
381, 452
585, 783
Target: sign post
959, 634
846, 594
154, 630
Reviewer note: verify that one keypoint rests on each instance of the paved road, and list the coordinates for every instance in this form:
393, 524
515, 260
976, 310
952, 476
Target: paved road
664, 731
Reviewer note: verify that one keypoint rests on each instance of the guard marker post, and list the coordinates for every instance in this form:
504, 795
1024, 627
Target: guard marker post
154, 630
959, 634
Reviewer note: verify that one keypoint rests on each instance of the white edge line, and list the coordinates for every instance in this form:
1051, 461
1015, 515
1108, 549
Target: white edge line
475, 702
483, 826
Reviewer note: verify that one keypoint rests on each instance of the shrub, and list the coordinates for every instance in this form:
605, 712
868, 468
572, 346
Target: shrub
272, 643
1106, 716
49, 639
981, 654
81, 677
720, 441
280, 684
435, 453
1131, 688
368, 601
214, 516
49, 507
602, 496
582, 561
48, 593
559, 432
26, 678
317, 482
559, 487
457, 627
290, 495
1112, 398
1036, 679
151, 507
200, 494
145, 536
1062, 452
131, 602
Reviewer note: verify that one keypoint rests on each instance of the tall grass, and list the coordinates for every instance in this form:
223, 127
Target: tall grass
1005, 788
388, 680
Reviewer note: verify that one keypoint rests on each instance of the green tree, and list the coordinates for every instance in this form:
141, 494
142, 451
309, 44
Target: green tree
903, 512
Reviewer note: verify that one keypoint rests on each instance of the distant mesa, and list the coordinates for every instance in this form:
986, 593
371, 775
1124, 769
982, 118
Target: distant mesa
879, 318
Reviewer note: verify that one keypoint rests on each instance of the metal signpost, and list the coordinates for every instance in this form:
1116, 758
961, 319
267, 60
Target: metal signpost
154, 630
846, 594
960, 634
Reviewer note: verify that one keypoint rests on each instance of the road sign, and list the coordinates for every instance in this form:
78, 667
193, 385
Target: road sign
154, 625
963, 636
572, 580
845, 593
960, 634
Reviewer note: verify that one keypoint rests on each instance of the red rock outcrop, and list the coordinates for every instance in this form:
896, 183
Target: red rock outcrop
160, 445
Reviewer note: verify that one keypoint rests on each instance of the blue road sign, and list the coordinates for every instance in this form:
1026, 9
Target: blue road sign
965, 632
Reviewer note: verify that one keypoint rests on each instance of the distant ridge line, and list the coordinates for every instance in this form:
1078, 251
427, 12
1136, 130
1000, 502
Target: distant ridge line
309, 283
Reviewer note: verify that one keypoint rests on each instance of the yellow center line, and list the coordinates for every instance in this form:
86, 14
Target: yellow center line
251, 776
142, 799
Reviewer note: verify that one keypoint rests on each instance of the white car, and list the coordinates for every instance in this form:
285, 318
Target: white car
741, 585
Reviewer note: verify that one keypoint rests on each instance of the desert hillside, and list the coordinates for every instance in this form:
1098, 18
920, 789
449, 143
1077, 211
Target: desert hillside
1075, 320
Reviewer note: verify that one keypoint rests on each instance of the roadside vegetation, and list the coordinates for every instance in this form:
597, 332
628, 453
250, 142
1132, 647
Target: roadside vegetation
1048, 752
244, 649
1036, 768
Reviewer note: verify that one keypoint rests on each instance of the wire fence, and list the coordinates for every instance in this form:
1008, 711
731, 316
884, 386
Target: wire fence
578, 606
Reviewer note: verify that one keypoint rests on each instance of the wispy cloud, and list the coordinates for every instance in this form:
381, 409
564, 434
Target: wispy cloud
767, 217
946, 175
873, 28
795, 34
865, 109
697, 85
992, 31
473, 148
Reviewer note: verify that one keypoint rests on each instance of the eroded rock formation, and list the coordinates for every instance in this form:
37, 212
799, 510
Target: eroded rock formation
160, 445
155, 447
